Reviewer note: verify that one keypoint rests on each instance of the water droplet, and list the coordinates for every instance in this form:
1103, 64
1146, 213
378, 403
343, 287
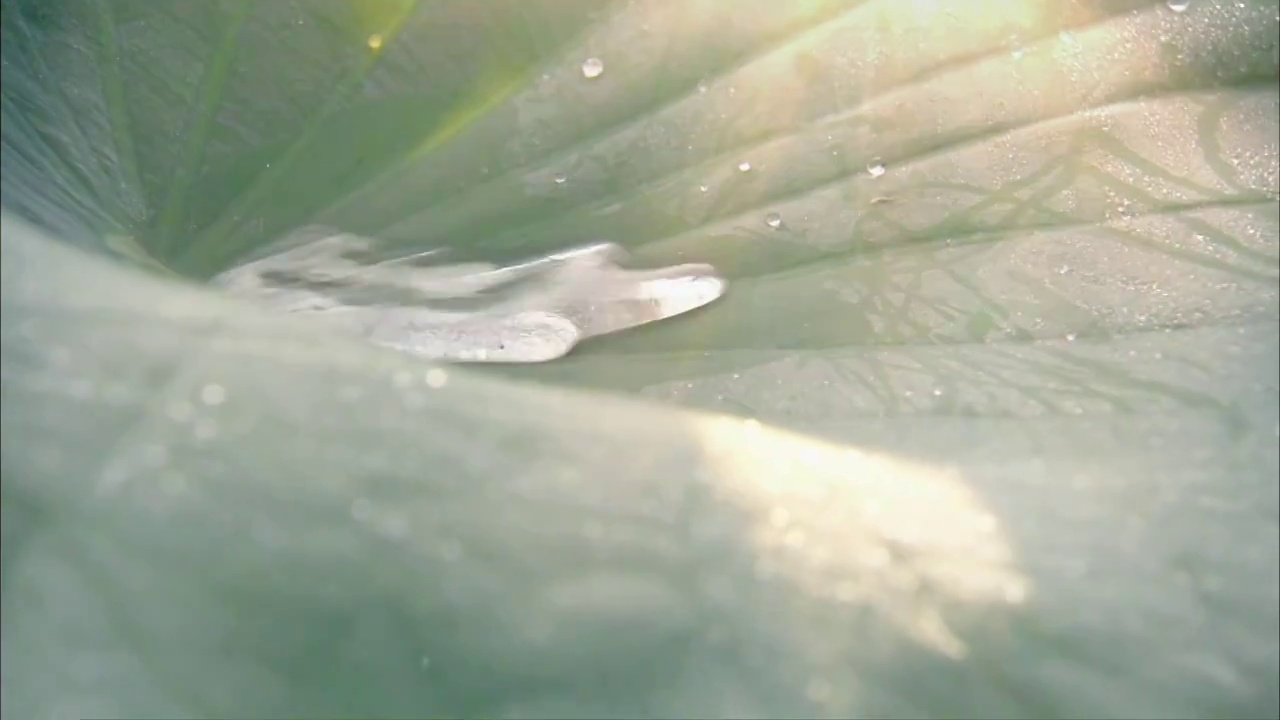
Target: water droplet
592, 68
818, 690
937, 392
437, 378
703, 187
702, 86
156, 456
213, 394
450, 551
180, 411
875, 168
560, 178
205, 429
773, 220
1018, 54
1178, 5
744, 166
375, 42
393, 526
1070, 337
173, 483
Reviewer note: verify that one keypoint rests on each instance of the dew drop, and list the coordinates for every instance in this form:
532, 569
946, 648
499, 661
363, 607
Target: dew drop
361, 510
155, 456
213, 394
173, 483
818, 690
702, 87
875, 168
180, 411
1178, 5
450, 551
1070, 337
205, 429
375, 42
773, 220
703, 187
560, 178
744, 166
592, 68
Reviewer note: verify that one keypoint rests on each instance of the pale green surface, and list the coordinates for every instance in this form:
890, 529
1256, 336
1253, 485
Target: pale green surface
1043, 371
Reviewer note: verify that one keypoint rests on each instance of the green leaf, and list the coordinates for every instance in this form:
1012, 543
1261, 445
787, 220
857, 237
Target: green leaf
985, 426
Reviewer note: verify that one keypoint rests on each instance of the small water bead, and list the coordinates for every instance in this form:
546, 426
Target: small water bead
560, 178
773, 220
154, 456
1178, 5
818, 690
172, 483
744, 166
703, 187
875, 168
592, 68
361, 510
213, 394
205, 429
180, 411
